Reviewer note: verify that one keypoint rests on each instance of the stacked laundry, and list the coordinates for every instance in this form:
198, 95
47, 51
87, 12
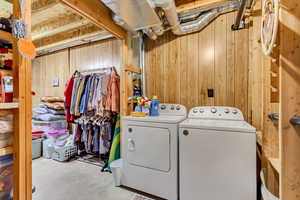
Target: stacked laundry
49, 115
6, 130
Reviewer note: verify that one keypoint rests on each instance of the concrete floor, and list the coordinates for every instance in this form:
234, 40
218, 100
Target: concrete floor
74, 181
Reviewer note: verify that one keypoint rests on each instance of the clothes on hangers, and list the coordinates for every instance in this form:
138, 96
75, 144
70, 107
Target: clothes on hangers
96, 133
93, 103
97, 91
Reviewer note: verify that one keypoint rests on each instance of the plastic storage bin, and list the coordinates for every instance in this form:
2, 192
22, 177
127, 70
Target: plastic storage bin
36, 148
6, 177
116, 169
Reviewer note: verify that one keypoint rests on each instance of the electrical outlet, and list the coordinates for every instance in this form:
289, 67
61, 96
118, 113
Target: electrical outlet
210, 93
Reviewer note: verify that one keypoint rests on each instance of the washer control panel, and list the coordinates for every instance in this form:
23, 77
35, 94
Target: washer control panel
216, 112
172, 109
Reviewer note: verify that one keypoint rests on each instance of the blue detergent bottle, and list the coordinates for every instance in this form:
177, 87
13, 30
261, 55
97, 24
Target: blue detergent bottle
154, 106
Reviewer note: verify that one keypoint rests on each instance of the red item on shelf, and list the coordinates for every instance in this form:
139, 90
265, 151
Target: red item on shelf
37, 134
3, 50
9, 97
8, 63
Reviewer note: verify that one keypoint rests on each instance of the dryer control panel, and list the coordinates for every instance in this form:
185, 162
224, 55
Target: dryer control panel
172, 109
216, 112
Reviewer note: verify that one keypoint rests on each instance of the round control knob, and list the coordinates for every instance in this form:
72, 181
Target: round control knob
195, 110
186, 132
163, 107
201, 110
227, 111
172, 107
213, 110
235, 111
178, 107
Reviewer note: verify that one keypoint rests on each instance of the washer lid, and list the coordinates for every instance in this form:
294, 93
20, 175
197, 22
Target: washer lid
158, 119
222, 125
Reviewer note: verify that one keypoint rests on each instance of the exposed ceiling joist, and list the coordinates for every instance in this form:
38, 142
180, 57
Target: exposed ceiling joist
56, 25
77, 34
181, 2
42, 5
101, 35
198, 4
98, 13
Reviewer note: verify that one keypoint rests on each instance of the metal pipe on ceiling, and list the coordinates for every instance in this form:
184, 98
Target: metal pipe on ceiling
238, 25
202, 20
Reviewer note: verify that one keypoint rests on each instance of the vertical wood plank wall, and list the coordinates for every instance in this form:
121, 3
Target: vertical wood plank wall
290, 99
181, 69
63, 63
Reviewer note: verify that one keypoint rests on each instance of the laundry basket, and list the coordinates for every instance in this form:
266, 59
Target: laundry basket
116, 169
266, 194
64, 153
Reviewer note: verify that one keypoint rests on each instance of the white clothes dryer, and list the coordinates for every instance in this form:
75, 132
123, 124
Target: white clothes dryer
217, 155
150, 152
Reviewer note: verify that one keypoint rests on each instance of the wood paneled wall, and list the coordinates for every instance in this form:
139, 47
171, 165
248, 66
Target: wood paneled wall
182, 69
289, 99
44, 69
63, 64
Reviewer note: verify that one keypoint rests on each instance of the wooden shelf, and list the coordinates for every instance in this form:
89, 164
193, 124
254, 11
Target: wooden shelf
6, 72
6, 36
8, 106
6, 151
6, 112
275, 162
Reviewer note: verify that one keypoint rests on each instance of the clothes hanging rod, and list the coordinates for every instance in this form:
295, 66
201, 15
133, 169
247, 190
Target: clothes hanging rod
96, 69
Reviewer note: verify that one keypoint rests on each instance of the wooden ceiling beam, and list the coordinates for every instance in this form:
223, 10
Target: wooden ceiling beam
198, 4
63, 38
97, 13
42, 5
58, 24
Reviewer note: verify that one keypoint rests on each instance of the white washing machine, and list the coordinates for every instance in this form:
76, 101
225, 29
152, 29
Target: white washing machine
150, 152
217, 155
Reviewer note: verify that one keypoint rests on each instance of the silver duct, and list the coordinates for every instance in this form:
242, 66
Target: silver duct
117, 19
196, 25
203, 18
150, 33
135, 16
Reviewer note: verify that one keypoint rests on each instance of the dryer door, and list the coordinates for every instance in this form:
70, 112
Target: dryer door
149, 147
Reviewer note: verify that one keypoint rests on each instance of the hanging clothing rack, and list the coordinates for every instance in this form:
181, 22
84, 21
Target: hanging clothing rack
97, 69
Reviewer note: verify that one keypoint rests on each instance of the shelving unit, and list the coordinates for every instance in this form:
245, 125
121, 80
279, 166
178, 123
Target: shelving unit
20, 109
9, 106
6, 72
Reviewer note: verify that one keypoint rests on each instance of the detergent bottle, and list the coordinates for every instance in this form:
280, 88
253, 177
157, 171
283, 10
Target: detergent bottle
154, 106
